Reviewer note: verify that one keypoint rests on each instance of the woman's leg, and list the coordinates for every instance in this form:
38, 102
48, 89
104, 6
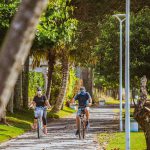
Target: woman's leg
34, 126
44, 118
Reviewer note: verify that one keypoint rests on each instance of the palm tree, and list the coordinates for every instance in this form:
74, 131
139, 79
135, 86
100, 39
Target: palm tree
62, 93
51, 63
50, 57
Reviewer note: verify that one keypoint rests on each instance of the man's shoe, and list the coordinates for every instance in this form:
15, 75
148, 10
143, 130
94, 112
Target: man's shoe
77, 132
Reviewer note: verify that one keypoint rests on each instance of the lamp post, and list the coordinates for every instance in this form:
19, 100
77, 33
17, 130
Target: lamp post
121, 18
127, 73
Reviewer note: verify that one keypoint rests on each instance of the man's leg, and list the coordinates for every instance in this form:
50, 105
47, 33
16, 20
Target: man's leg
77, 121
87, 115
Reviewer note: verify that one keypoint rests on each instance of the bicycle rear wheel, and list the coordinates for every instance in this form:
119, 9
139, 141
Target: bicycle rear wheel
79, 128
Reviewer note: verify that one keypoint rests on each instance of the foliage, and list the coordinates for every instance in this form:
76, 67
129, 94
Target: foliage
90, 13
56, 26
140, 48
108, 53
71, 84
7, 11
107, 69
36, 79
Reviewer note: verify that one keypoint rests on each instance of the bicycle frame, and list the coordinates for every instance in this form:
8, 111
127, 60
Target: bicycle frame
39, 122
82, 124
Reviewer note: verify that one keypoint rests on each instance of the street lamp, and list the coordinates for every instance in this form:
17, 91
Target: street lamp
127, 75
121, 18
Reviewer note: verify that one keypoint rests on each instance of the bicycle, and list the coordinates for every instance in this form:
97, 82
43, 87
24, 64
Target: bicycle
39, 121
82, 123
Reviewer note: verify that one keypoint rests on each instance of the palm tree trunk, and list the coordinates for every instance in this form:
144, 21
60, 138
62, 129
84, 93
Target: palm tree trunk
10, 106
51, 63
25, 83
142, 111
142, 117
62, 93
17, 93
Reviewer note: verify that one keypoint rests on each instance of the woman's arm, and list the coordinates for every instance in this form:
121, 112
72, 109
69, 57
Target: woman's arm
47, 104
32, 104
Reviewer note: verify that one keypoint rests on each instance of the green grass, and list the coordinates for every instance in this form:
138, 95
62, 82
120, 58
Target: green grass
123, 112
117, 140
111, 101
8, 132
62, 113
21, 121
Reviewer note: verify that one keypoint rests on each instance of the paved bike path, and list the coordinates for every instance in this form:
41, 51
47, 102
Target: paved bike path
61, 134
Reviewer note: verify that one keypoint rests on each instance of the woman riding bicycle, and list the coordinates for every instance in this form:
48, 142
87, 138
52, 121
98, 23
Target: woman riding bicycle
40, 102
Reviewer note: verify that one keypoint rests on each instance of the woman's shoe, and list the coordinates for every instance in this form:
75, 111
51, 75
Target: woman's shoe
33, 126
45, 131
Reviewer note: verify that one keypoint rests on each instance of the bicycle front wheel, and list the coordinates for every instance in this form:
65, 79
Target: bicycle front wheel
38, 128
83, 129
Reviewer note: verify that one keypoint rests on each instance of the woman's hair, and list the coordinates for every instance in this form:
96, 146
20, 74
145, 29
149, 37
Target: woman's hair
39, 89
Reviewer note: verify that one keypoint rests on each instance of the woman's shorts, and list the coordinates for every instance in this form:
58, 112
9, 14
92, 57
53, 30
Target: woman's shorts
38, 112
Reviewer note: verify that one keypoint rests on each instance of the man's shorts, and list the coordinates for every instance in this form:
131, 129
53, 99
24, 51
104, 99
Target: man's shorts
80, 110
38, 112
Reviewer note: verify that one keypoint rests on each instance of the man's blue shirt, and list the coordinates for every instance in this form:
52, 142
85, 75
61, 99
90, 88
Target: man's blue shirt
83, 98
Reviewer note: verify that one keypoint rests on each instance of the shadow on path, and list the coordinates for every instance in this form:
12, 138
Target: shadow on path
61, 134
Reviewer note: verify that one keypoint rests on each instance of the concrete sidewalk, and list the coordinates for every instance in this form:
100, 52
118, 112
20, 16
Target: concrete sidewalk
61, 134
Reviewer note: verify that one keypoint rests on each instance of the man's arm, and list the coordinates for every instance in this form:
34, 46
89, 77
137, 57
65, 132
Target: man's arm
74, 99
90, 99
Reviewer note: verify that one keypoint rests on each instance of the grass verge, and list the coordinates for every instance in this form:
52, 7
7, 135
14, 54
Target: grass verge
117, 141
21, 121
111, 101
62, 113
123, 112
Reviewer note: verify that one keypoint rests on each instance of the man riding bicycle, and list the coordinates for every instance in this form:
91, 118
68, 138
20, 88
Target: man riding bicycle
40, 102
84, 100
